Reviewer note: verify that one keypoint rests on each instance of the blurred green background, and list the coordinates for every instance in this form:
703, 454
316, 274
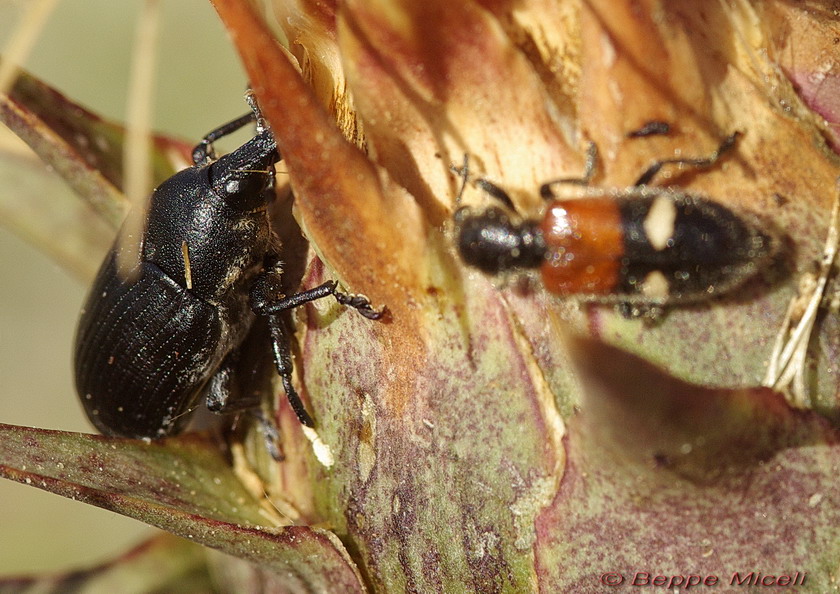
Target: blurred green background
85, 51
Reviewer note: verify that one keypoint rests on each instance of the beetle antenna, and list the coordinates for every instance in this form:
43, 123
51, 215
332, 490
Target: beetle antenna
652, 128
489, 187
464, 173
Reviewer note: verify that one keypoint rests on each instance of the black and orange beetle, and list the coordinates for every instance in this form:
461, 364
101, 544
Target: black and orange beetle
641, 244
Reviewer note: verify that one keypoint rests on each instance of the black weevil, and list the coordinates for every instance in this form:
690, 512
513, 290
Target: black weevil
151, 342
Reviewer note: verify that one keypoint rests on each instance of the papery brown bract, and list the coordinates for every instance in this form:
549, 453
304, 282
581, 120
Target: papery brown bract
451, 447
491, 438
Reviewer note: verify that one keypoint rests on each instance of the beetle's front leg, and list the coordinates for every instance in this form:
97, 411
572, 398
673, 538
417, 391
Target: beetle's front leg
203, 152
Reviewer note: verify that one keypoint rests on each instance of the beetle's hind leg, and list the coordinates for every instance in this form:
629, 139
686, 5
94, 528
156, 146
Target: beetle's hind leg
219, 396
224, 396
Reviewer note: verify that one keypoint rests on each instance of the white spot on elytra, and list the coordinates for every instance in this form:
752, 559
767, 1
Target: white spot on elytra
655, 285
659, 222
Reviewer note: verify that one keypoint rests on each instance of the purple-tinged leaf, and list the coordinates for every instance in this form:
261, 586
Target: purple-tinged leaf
670, 478
183, 485
83, 148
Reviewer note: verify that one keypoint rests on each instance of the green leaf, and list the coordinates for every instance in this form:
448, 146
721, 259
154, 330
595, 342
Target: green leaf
45, 212
183, 485
86, 151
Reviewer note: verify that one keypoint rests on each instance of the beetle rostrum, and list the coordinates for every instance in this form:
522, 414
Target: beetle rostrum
150, 343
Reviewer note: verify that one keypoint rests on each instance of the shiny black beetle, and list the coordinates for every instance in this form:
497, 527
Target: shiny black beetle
151, 342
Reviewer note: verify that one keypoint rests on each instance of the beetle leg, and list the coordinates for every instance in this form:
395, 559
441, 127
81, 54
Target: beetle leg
264, 305
203, 152
699, 162
589, 167
283, 362
271, 433
649, 313
651, 128
223, 397
263, 293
